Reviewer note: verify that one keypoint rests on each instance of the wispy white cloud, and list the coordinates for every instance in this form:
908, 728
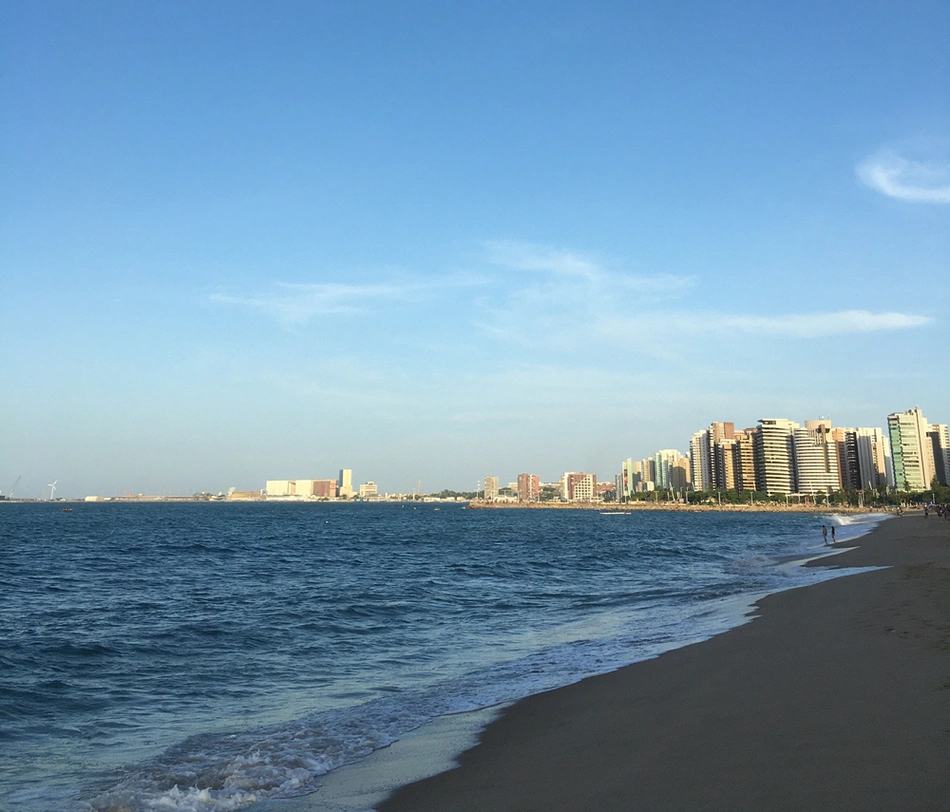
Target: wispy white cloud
294, 304
892, 174
570, 302
667, 328
564, 266
818, 325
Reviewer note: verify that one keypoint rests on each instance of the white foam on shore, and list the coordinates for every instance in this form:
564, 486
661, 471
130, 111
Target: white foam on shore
430, 750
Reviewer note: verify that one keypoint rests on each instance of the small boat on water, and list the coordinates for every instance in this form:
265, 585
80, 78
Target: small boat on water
67, 510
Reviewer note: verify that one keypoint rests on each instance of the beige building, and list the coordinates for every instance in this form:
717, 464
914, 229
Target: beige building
491, 488
816, 458
368, 490
344, 483
578, 486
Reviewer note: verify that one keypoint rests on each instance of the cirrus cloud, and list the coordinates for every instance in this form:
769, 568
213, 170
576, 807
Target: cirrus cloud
919, 181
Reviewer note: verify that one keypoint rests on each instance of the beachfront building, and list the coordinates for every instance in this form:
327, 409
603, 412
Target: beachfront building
816, 458
491, 488
344, 483
873, 452
720, 436
845, 442
744, 460
280, 487
303, 487
368, 490
774, 455
578, 486
940, 439
529, 487
671, 469
699, 462
300, 488
324, 488
911, 450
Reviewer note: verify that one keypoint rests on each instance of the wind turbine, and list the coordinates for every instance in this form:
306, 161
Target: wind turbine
52, 488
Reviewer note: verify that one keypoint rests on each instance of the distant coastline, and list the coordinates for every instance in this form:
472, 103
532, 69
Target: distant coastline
479, 504
700, 507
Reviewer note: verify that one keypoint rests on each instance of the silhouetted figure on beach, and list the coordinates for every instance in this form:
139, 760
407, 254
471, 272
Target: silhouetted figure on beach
833, 534
824, 534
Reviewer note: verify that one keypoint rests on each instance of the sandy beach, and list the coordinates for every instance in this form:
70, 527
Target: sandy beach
837, 696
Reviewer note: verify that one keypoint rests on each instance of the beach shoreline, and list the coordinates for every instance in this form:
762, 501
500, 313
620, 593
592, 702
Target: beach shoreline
837, 695
699, 507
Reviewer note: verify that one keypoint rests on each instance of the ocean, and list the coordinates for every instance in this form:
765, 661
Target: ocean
208, 656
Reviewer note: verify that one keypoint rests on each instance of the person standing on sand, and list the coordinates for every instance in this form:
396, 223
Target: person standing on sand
824, 534
833, 534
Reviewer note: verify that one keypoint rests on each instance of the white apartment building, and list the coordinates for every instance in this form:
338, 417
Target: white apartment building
773, 446
491, 488
816, 458
874, 458
700, 465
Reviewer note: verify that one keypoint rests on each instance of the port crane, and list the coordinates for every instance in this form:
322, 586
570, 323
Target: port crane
14, 486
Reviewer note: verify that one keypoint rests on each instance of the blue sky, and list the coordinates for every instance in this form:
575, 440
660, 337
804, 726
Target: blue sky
244, 241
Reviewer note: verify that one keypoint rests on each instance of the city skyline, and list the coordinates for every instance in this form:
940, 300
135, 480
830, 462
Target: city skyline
905, 454
244, 241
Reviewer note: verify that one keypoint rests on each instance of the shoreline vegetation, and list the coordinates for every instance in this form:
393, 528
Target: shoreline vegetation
836, 695
701, 507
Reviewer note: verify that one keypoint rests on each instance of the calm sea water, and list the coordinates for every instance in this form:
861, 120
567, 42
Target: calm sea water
205, 656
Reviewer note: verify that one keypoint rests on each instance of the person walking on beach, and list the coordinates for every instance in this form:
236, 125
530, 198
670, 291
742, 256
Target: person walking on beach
833, 534
824, 534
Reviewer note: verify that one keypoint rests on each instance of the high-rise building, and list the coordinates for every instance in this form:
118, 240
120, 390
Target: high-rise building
344, 483
940, 440
625, 479
699, 463
491, 488
846, 446
873, 452
816, 458
529, 487
911, 450
744, 460
720, 434
666, 464
774, 455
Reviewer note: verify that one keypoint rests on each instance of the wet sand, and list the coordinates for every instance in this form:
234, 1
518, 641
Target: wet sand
837, 696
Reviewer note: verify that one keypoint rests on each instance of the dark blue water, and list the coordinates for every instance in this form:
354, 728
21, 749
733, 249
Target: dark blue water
204, 656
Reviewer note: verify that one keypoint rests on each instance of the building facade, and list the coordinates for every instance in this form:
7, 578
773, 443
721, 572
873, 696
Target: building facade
529, 487
774, 455
911, 450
